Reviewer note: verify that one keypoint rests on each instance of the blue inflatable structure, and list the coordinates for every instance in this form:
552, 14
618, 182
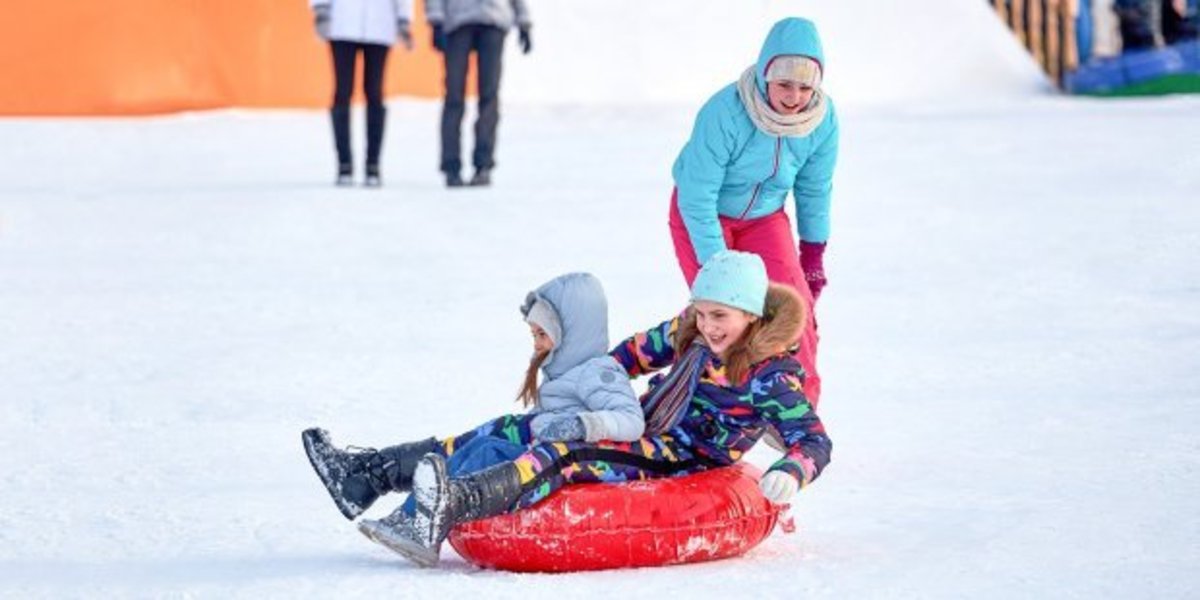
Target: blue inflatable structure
1173, 69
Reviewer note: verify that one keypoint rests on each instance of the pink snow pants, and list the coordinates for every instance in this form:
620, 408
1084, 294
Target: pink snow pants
769, 237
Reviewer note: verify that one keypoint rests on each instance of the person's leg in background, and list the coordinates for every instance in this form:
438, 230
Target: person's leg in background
1137, 31
489, 49
458, 49
1179, 21
344, 54
374, 62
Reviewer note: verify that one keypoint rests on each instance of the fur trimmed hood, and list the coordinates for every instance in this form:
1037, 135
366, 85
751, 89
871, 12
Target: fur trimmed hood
783, 323
777, 331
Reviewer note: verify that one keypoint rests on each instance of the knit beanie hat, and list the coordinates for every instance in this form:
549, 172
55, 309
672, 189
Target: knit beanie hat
794, 67
732, 278
538, 311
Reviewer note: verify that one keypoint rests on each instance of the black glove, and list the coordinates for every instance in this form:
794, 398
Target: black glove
439, 38
321, 20
404, 33
526, 41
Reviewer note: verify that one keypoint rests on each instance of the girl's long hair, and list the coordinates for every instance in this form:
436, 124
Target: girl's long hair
529, 389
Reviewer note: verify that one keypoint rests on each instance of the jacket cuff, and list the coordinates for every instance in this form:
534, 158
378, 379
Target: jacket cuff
594, 428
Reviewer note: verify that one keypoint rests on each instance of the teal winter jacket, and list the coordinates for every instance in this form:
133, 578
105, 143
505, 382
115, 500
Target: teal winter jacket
730, 168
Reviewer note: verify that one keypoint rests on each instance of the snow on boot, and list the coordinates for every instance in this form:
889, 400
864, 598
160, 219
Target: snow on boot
356, 478
385, 530
443, 503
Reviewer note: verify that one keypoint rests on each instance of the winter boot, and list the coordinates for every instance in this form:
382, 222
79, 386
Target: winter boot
443, 503
373, 180
345, 175
382, 531
340, 117
482, 177
376, 119
355, 478
453, 179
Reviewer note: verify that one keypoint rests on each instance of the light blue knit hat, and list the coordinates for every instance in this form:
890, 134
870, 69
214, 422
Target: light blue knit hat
732, 278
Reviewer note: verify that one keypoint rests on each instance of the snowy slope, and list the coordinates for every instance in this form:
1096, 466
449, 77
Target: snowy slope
1008, 336
681, 51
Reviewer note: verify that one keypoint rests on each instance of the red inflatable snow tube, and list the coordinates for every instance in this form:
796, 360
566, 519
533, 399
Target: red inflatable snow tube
707, 516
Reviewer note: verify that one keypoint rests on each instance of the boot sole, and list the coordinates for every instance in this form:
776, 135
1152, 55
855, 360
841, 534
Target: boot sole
368, 531
310, 437
404, 547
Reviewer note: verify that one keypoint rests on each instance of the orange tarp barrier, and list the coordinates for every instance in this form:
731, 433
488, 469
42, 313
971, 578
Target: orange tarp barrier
127, 57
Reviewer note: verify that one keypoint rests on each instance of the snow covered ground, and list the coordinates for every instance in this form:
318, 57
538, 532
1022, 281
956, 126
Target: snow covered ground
1008, 353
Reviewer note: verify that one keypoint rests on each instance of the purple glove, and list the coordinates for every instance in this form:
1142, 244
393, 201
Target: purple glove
813, 263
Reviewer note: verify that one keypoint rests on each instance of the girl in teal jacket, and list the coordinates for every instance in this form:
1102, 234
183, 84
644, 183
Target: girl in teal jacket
772, 132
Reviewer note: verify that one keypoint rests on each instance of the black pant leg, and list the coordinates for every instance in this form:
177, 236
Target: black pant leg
374, 62
490, 49
344, 54
458, 49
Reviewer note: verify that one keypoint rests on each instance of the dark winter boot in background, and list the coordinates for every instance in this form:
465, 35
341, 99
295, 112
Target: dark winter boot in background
373, 180
482, 178
340, 116
453, 179
443, 503
355, 478
345, 175
376, 119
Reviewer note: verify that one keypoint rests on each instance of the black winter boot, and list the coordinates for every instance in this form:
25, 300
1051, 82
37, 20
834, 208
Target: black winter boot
372, 179
376, 120
482, 177
443, 503
356, 478
340, 117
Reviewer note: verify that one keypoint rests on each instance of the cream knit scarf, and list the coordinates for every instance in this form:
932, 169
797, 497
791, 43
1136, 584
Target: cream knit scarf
772, 123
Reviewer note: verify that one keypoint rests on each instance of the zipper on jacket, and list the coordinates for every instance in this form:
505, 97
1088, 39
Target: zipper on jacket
758, 186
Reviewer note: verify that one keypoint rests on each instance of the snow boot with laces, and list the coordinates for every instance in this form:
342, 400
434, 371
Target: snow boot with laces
356, 477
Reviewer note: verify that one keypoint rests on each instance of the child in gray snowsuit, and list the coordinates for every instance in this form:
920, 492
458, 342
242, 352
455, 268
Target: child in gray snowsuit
585, 395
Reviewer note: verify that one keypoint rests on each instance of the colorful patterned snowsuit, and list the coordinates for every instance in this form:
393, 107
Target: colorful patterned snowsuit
722, 422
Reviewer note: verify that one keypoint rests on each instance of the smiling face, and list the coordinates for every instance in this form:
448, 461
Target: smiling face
542, 342
721, 325
788, 97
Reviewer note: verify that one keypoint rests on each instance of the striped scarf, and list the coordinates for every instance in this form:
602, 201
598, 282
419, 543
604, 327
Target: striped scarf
669, 395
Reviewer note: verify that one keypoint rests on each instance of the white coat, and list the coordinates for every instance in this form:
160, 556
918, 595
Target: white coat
366, 21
